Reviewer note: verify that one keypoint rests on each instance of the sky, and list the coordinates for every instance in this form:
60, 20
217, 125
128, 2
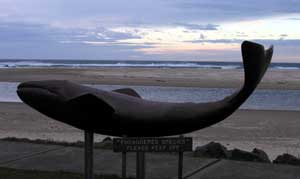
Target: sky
185, 30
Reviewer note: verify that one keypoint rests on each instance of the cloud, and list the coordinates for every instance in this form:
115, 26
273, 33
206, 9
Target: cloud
198, 26
202, 37
70, 51
22, 32
28, 32
43, 41
93, 29
241, 34
280, 42
294, 18
226, 41
107, 35
231, 10
275, 42
142, 12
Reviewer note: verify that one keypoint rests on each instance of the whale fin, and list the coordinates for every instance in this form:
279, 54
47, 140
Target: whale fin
128, 91
90, 105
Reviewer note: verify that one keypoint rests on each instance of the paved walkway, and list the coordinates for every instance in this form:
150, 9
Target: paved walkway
21, 155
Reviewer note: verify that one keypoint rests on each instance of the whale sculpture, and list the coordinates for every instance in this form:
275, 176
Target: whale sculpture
124, 113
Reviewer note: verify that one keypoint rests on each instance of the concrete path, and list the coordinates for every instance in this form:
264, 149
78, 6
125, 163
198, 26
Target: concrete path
227, 169
21, 155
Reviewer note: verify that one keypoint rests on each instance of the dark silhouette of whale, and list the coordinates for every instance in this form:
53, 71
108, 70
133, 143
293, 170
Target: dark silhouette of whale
124, 113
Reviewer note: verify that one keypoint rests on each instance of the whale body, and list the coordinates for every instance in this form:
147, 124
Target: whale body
123, 112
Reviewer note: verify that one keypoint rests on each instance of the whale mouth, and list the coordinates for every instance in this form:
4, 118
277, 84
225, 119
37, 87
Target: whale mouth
37, 95
34, 85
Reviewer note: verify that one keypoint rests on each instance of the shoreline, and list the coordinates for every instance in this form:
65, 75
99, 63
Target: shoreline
176, 77
244, 110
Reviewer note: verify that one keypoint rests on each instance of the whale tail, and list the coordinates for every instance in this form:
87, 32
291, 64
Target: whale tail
256, 61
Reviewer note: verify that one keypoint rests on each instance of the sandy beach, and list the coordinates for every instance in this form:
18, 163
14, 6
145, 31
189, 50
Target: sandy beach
275, 132
185, 77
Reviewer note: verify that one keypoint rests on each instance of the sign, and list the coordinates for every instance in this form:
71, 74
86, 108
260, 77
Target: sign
148, 144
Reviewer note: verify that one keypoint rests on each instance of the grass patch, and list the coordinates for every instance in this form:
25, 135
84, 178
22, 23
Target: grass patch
105, 144
8, 173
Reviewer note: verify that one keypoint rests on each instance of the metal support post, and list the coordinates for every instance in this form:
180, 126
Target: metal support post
180, 162
123, 164
88, 154
140, 165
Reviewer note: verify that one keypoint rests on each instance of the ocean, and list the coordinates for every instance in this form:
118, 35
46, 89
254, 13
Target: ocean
262, 99
133, 63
